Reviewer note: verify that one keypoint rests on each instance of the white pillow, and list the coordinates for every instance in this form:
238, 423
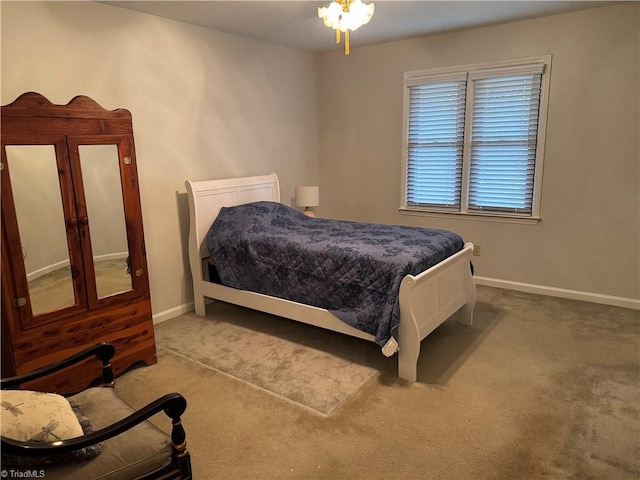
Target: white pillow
37, 416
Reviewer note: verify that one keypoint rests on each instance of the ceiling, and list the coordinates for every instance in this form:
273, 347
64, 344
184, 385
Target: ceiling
296, 24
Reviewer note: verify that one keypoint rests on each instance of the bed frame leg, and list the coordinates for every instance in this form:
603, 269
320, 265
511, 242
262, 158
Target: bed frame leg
408, 359
199, 304
465, 315
408, 333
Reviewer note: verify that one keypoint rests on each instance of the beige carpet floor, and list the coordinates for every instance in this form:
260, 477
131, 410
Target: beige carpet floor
538, 388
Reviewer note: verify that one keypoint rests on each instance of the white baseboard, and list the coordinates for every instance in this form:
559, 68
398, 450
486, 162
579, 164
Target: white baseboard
172, 313
625, 302
48, 269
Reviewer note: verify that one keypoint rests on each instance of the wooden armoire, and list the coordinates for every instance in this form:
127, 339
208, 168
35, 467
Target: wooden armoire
74, 268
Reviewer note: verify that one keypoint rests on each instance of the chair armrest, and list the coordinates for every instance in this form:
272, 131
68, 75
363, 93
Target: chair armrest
103, 351
173, 405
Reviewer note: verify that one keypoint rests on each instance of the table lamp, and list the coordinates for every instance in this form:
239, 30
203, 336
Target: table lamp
308, 197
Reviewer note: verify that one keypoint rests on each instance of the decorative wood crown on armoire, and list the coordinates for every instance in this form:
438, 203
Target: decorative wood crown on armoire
74, 270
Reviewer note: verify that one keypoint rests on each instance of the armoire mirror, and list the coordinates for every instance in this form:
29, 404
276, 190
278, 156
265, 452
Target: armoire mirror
103, 195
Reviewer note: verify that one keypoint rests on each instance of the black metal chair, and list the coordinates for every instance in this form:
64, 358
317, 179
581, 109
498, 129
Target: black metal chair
130, 447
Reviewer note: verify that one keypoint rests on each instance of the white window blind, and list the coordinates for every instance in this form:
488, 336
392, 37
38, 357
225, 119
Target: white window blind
475, 137
435, 144
503, 143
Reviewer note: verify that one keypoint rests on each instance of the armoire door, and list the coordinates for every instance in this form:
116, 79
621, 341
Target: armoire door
40, 225
112, 245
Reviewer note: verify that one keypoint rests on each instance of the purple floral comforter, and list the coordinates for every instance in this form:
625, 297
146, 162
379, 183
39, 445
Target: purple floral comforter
352, 269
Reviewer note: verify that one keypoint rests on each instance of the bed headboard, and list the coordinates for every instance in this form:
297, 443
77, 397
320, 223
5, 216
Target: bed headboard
206, 198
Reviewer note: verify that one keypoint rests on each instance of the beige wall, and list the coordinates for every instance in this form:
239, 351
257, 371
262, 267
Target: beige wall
205, 105
589, 236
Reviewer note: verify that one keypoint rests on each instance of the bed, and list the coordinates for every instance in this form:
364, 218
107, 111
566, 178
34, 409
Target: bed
425, 299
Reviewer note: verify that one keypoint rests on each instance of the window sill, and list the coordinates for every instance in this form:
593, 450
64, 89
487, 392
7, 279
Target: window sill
483, 217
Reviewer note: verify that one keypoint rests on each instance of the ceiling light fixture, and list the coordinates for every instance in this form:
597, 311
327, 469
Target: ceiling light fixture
346, 15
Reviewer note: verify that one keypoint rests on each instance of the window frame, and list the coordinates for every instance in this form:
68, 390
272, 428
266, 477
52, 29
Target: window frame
472, 72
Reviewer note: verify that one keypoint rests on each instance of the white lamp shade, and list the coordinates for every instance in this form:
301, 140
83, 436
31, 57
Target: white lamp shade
307, 196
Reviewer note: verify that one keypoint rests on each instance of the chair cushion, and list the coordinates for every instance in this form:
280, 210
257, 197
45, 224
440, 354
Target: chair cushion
79, 455
37, 416
138, 451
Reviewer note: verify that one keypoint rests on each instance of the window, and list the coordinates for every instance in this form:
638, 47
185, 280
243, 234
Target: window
474, 139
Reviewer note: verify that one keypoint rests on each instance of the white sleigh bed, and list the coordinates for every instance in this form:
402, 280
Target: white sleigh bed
426, 300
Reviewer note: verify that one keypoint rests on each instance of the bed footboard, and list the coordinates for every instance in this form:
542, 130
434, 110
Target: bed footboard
430, 298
